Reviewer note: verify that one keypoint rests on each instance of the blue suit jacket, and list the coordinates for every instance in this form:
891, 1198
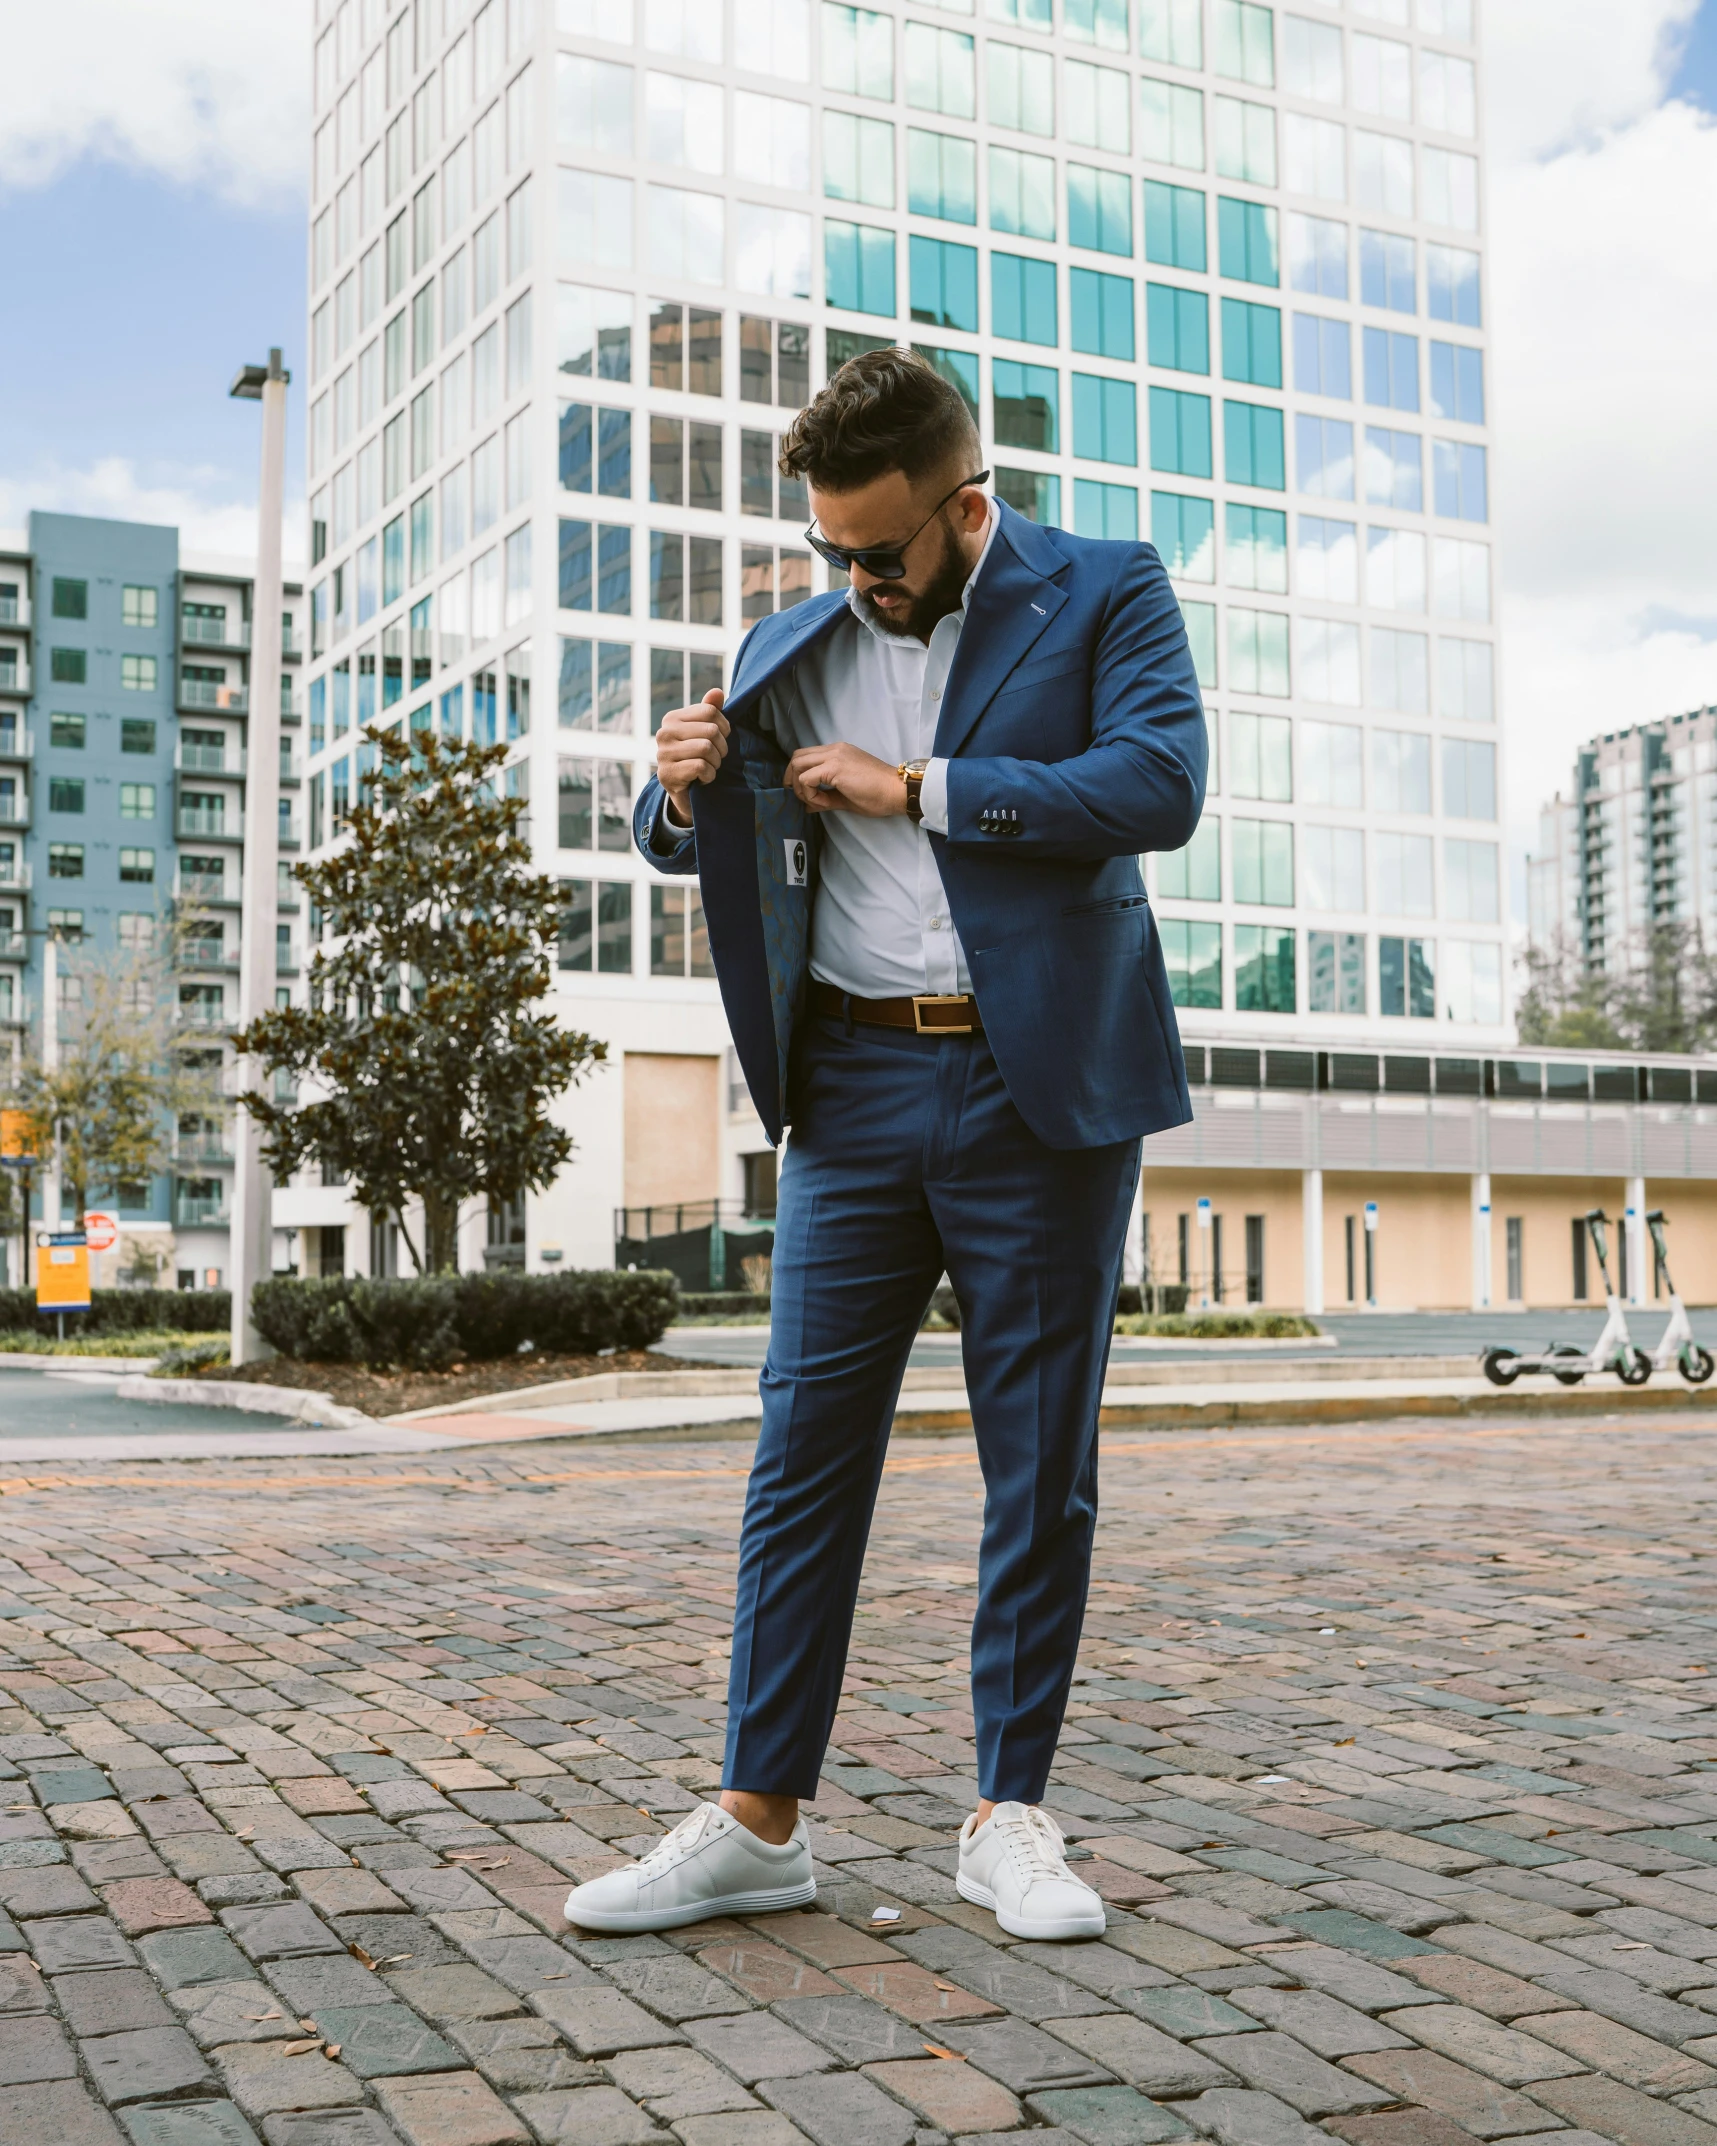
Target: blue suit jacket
1072, 702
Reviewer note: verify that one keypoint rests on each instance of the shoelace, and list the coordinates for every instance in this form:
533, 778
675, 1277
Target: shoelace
685, 1836
1034, 1844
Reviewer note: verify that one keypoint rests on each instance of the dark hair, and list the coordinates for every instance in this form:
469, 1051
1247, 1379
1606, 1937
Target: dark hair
885, 409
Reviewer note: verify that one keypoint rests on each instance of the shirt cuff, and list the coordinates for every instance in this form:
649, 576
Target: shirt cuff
666, 839
933, 797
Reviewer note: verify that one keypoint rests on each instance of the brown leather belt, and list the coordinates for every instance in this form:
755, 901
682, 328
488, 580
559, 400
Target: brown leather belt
931, 1015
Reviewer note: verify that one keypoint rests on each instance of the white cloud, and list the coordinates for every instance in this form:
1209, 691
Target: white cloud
1603, 202
189, 499
204, 92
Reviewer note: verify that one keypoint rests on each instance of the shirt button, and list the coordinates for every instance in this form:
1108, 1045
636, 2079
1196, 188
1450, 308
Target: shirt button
935, 692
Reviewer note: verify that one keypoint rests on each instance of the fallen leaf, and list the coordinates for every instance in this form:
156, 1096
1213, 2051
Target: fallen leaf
309, 2026
1341, 1741
359, 1954
1635, 1946
953, 1988
299, 2049
953, 2055
331, 2050
393, 1959
259, 2016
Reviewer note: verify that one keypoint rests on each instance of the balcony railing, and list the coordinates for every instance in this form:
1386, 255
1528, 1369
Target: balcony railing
209, 759
14, 946
14, 876
203, 693
15, 1010
203, 1147
200, 1015
206, 954
15, 678
14, 611
214, 633
211, 826
206, 893
15, 811
289, 643
16, 744
200, 1214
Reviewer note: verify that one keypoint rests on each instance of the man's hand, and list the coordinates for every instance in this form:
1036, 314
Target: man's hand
690, 746
840, 778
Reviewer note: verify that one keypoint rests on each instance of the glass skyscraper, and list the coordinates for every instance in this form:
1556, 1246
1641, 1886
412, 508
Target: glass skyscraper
1209, 273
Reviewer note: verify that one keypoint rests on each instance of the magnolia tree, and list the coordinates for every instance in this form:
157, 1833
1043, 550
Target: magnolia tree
429, 1059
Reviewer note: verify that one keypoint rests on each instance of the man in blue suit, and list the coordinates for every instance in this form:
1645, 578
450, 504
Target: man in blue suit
917, 824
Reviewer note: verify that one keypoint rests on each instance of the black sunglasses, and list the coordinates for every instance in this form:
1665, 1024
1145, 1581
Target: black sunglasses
887, 563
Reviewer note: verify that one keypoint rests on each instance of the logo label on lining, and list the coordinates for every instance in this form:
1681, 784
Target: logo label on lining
798, 859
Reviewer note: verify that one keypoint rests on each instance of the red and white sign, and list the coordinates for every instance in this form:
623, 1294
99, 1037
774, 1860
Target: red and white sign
102, 1231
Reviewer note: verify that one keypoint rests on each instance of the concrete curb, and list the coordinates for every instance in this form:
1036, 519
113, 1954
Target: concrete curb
319, 1410
119, 1365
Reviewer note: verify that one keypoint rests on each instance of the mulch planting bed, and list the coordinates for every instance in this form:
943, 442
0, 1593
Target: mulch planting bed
392, 1393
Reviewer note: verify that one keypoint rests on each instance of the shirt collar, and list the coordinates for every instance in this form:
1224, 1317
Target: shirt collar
895, 640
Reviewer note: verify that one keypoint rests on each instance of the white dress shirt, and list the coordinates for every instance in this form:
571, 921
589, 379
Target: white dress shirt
881, 927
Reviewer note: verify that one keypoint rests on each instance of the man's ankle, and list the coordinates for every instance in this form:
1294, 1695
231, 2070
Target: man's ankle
771, 1818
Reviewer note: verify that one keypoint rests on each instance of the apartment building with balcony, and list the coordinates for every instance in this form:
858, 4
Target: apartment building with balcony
124, 682
1210, 274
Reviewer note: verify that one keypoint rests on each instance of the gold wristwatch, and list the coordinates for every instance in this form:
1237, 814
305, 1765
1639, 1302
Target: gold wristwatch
911, 772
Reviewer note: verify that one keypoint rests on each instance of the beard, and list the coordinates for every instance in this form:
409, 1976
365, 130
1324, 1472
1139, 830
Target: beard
938, 599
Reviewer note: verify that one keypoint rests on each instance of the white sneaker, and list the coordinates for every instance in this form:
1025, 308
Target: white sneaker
708, 1865
1013, 1863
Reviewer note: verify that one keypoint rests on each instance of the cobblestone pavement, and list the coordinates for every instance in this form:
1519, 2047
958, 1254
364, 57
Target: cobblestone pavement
1392, 1752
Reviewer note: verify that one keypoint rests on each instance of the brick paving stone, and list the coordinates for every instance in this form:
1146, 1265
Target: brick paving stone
598, 2021
56, 1890
110, 2001
1322, 2022
1501, 2053
857, 2030
950, 2095
674, 2083
920, 1997
1621, 2113
381, 2040
64, 2111
841, 2109
324, 1979
756, 2045
288, 1930
1605, 2045
1619, 1997
1474, 2102
329, 2127
140, 1904
1024, 2057
455, 1990
1278, 2064
215, 2013
524, 2055
147, 2064
588, 2116
1410, 2127
450, 2109
757, 2127
1108, 2116
1184, 2012
77, 1941
677, 1988
263, 2081
178, 1958
765, 1972
22, 1987
1141, 2054
34, 2048
1486, 1989
188, 2123
1238, 2117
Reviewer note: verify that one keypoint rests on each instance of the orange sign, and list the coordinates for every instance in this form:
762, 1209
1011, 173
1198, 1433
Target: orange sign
101, 1232
62, 1272
16, 1144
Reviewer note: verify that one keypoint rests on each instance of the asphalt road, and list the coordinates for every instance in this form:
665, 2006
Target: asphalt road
1379, 1333
83, 1404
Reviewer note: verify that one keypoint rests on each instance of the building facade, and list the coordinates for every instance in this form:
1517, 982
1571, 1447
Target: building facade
1630, 845
124, 684
1208, 272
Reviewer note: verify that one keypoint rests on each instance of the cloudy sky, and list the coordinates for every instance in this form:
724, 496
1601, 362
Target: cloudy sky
152, 176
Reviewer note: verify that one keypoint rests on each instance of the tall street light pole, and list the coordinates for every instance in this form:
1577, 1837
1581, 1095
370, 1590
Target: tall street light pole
253, 1190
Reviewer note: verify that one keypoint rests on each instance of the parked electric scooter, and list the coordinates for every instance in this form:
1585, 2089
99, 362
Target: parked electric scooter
1614, 1350
1678, 1347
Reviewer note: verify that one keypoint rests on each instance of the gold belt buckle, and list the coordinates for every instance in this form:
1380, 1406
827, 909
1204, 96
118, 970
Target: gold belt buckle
941, 1028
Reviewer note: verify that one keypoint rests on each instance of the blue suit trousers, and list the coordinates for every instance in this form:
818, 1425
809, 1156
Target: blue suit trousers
907, 1157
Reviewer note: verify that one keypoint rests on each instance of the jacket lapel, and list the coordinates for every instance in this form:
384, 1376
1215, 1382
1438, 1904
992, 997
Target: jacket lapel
1015, 599
778, 642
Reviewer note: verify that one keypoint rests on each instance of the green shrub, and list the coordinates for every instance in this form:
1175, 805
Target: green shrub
1220, 1325
125, 1311
426, 1323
